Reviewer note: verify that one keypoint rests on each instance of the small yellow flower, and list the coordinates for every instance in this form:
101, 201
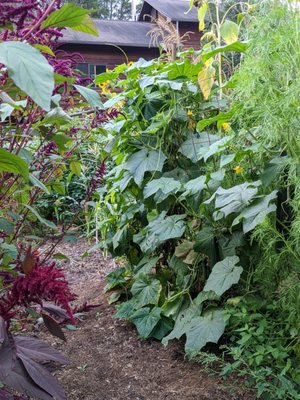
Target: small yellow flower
105, 91
130, 63
189, 113
238, 169
226, 127
102, 85
107, 70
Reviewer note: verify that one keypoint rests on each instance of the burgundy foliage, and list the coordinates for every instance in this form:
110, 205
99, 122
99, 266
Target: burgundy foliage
43, 283
96, 180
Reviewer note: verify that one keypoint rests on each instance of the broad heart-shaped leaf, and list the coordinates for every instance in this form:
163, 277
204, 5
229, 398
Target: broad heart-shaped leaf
91, 96
223, 275
71, 16
182, 322
11, 163
29, 70
217, 147
194, 186
144, 160
125, 310
185, 68
229, 31
256, 213
163, 327
146, 320
159, 230
162, 188
195, 148
233, 199
145, 265
203, 330
146, 290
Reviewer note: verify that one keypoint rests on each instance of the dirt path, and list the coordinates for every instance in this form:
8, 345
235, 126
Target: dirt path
110, 362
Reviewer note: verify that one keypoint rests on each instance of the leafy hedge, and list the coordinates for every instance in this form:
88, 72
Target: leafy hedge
201, 205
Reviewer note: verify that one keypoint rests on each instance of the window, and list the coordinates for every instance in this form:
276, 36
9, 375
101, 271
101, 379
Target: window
91, 70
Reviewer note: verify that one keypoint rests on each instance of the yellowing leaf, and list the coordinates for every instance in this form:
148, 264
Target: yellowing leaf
75, 167
229, 32
206, 78
201, 16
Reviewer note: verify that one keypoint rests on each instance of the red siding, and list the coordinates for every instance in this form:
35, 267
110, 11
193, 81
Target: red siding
194, 36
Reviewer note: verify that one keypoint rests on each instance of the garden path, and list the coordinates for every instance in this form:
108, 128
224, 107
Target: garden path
110, 362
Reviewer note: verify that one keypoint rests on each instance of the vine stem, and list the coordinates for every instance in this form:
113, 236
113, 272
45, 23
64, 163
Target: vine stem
43, 17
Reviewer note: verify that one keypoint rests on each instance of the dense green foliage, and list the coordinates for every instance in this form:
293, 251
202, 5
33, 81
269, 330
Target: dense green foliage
200, 201
203, 202
106, 9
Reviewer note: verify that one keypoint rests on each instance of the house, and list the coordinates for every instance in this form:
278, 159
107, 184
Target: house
122, 41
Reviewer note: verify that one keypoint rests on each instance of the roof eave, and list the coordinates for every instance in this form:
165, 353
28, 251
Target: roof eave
107, 44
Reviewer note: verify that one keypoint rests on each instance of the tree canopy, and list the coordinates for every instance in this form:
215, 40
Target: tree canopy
107, 9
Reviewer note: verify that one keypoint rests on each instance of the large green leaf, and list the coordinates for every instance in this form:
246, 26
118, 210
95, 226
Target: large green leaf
145, 265
203, 330
220, 118
125, 310
182, 322
229, 31
163, 327
256, 213
146, 320
146, 290
91, 96
217, 147
240, 47
42, 220
29, 70
194, 186
184, 69
196, 148
57, 117
159, 230
36, 182
71, 16
144, 160
6, 226
233, 199
162, 188
223, 275
11, 163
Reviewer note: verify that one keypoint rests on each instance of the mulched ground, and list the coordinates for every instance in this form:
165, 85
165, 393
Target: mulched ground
110, 362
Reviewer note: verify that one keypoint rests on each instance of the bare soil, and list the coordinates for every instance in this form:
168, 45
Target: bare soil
110, 362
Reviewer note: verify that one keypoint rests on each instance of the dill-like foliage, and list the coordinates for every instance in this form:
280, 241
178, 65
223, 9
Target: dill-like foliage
266, 102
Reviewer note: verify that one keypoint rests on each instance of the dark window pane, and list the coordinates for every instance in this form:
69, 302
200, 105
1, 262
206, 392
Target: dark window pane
83, 67
100, 69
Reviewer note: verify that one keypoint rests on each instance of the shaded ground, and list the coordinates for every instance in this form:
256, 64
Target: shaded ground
110, 362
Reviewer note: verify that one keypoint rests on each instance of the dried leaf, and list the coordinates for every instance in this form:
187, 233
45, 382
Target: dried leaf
28, 262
